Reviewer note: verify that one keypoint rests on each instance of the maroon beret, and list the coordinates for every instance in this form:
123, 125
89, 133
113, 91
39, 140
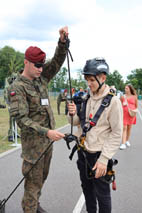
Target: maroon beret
35, 54
65, 90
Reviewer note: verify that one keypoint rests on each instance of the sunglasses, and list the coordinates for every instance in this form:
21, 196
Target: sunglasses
38, 65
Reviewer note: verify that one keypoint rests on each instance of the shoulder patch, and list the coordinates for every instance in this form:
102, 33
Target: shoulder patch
12, 93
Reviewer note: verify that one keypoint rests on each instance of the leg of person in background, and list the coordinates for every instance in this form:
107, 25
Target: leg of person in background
10, 131
58, 107
129, 127
124, 136
66, 108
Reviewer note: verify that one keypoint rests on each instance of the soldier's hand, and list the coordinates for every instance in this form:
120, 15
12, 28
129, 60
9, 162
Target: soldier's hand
63, 32
72, 108
55, 135
100, 168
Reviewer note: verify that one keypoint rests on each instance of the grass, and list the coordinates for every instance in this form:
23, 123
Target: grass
5, 145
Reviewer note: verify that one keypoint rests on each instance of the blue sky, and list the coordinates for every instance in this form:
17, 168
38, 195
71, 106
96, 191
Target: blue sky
107, 28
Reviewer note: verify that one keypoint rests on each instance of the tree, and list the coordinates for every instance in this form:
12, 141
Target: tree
59, 81
115, 79
11, 61
79, 82
135, 78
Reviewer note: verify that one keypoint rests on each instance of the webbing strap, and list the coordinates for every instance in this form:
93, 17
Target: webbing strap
105, 103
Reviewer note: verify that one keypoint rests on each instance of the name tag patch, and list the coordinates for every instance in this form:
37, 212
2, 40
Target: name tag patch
44, 102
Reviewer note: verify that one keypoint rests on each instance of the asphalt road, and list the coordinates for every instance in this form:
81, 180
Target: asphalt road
62, 190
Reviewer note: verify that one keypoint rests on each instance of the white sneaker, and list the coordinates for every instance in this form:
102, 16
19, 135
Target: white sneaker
122, 146
128, 143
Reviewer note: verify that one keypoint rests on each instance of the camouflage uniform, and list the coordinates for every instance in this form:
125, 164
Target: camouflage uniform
35, 120
11, 130
61, 98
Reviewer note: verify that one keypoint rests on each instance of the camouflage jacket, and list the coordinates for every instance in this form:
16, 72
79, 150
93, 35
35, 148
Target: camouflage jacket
33, 118
61, 97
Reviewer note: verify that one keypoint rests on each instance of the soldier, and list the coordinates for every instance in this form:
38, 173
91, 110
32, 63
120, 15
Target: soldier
61, 98
30, 105
9, 81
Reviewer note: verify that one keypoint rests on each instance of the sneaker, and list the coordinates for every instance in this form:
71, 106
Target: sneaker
128, 143
122, 146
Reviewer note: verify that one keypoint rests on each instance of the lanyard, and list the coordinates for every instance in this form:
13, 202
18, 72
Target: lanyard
69, 56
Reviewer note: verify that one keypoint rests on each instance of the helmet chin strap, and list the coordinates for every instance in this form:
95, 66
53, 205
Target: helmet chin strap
100, 84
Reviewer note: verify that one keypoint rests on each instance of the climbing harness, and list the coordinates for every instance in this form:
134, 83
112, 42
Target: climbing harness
110, 175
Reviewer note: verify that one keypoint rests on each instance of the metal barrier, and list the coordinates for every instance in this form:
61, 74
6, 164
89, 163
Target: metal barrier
1, 92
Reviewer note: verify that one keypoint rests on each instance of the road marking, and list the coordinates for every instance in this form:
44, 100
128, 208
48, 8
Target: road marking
140, 115
79, 204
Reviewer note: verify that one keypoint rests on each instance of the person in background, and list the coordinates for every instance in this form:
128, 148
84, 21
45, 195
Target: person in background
128, 100
81, 92
11, 129
68, 100
30, 106
61, 98
73, 92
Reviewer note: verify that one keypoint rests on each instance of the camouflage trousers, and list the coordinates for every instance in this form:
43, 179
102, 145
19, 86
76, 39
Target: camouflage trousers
34, 182
58, 107
11, 126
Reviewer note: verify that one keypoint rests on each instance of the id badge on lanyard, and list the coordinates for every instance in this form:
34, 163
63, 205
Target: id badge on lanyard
44, 102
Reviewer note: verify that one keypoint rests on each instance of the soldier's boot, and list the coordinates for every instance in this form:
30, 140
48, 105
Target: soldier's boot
40, 209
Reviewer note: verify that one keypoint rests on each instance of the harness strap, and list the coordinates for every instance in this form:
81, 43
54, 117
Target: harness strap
74, 149
105, 103
100, 84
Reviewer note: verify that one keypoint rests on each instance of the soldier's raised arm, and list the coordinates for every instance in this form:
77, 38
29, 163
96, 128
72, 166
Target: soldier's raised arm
53, 66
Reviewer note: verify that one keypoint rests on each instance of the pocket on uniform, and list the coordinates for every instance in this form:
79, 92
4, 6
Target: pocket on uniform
43, 111
33, 100
14, 108
26, 168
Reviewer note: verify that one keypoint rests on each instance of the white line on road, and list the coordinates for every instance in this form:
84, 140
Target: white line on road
79, 204
140, 110
140, 115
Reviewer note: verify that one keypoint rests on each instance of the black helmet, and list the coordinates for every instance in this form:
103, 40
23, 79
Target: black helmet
95, 67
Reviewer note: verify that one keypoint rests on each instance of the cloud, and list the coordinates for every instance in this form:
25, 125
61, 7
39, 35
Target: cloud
115, 36
31, 20
100, 28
